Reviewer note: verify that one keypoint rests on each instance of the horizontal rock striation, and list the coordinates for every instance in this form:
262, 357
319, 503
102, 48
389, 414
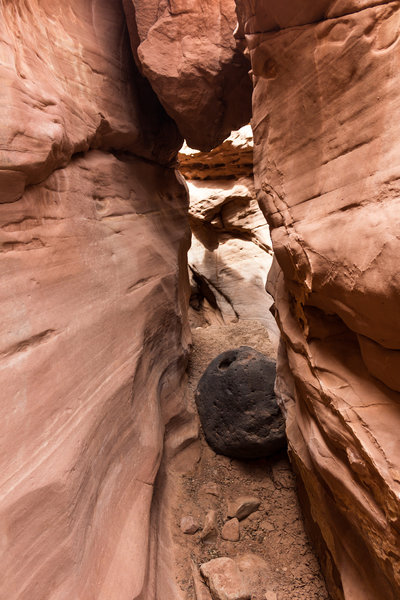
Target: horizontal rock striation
327, 172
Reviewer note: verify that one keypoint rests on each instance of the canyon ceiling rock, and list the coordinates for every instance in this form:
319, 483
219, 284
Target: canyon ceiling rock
327, 172
237, 406
187, 51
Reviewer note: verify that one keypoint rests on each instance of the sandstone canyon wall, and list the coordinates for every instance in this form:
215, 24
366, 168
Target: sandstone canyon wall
94, 236
327, 170
94, 289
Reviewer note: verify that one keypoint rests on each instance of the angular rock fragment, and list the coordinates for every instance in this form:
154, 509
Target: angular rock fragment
209, 530
189, 525
231, 530
243, 507
237, 406
225, 580
212, 489
267, 526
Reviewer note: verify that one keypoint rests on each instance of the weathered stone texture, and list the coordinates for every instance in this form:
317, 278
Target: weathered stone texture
187, 50
93, 241
237, 405
325, 101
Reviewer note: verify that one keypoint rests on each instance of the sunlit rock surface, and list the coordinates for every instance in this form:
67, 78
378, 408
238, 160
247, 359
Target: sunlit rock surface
231, 253
327, 168
93, 234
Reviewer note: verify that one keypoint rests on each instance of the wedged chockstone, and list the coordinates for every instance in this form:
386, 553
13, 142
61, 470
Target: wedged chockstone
237, 406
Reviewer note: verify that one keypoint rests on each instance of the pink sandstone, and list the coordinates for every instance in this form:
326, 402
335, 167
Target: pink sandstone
94, 235
327, 173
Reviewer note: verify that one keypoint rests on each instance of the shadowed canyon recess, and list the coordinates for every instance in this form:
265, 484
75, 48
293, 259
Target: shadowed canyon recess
100, 445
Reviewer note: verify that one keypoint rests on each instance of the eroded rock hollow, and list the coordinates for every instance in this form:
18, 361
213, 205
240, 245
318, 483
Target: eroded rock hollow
96, 98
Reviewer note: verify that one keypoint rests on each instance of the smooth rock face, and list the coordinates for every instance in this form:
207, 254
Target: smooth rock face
326, 138
65, 98
225, 580
187, 50
237, 406
92, 296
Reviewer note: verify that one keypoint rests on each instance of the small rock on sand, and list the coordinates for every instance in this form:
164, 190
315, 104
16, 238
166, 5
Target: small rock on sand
209, 530
231, 530
210, 488
243, 507
189, 525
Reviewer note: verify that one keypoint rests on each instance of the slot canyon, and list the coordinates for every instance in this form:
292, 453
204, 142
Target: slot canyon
179, 178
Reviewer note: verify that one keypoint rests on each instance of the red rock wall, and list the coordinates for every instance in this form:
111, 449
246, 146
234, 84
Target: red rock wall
325, 103
187, 50
93, 235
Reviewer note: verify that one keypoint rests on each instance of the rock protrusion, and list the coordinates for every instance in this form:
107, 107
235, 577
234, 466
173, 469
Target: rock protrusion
225, 580
194, 63
237, 406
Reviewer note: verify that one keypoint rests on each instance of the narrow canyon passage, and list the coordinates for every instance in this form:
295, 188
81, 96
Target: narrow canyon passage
273, 552
100, 454
229, 261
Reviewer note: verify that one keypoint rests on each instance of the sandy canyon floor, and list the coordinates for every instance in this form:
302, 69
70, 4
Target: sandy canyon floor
273, 552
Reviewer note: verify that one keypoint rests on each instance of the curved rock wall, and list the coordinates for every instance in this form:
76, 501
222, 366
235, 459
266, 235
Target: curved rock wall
94, 234
93, 294
327, 170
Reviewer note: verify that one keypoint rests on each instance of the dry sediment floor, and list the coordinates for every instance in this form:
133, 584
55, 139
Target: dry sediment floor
273, 552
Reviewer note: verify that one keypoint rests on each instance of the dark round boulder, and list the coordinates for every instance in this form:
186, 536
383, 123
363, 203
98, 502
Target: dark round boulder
237, 405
